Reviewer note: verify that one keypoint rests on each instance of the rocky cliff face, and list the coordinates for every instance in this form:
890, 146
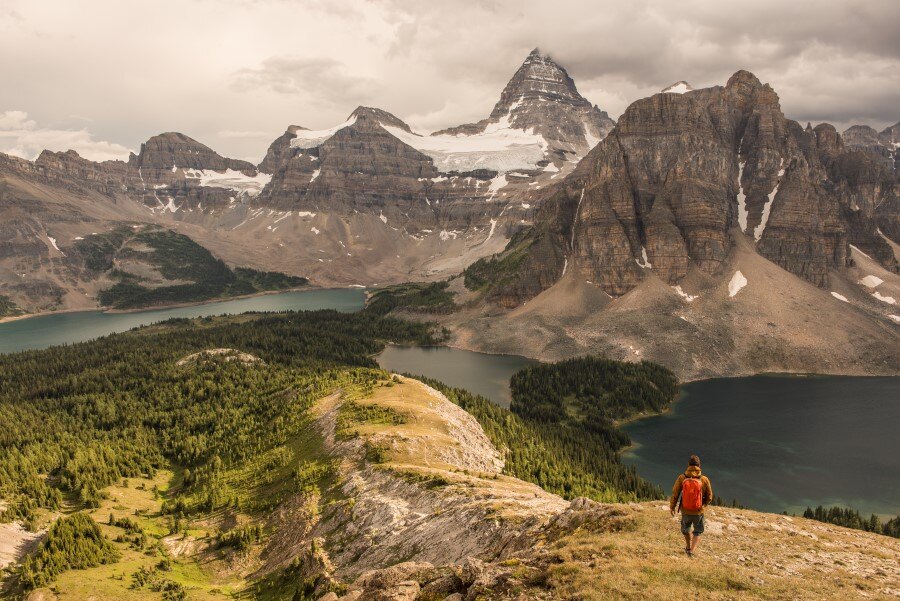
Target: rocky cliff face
883, 144
173, 150
663, 191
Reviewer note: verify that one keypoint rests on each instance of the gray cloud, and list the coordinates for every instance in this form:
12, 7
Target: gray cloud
323, 80
235, 73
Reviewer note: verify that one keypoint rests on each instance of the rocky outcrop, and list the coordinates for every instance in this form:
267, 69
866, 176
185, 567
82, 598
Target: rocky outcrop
360, 167
172, 150
882, 144
663, 191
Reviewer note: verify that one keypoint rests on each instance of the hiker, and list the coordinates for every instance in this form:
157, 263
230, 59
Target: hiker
691, 493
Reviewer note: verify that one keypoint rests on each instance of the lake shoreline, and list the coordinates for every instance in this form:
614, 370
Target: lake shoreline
210, 301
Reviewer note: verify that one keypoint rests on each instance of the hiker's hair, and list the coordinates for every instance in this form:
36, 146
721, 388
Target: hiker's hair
694, 460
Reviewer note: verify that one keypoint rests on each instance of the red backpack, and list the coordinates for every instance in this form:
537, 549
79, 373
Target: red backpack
691, 494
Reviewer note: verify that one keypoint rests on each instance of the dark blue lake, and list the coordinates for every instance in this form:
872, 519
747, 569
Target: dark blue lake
780, 443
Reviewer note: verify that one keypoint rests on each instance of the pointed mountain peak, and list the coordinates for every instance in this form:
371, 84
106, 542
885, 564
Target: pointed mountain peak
539, 79
542, 100
538, 55
679, 87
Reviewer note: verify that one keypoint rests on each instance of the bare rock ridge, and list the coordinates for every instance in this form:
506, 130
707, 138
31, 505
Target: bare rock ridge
662, 192
175, 150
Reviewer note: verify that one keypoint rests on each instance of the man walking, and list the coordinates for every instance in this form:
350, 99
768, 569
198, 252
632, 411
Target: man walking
691, 493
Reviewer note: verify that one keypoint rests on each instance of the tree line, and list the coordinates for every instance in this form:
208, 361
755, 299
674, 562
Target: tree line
851, 518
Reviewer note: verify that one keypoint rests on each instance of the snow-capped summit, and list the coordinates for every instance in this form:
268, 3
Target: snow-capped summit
542, 99
679, 87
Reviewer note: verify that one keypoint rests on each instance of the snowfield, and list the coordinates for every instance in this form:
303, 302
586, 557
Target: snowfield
871, 281
308, 138
499, 148
230, 180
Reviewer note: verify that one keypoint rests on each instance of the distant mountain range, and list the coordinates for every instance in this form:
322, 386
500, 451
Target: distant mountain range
367, 201
696, 194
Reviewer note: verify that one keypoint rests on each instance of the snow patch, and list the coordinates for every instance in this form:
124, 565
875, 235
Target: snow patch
590, 139
679, 87
742, 199
230, 180
688, 297
738, 281
445, 235
491, 233
315, 174
767, 208
305, 214
308, 138
53, 242
565, 266
644, 263
871, 281
885, 299
496, 184
382, 217
895, 318
840, 297
314, 230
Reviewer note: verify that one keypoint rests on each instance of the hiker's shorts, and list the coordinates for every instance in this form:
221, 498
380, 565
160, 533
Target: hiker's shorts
695, 520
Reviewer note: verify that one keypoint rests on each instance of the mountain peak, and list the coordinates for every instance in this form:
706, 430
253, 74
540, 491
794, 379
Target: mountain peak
538, 79
382, 117
174, 149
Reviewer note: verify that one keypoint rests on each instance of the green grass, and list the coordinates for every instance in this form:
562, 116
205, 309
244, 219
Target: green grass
353, 414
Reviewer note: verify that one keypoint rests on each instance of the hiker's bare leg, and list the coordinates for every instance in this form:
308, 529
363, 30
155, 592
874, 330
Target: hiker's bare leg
687, 541
694, 540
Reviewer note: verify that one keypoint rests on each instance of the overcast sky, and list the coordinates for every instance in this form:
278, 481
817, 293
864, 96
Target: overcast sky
101, 76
